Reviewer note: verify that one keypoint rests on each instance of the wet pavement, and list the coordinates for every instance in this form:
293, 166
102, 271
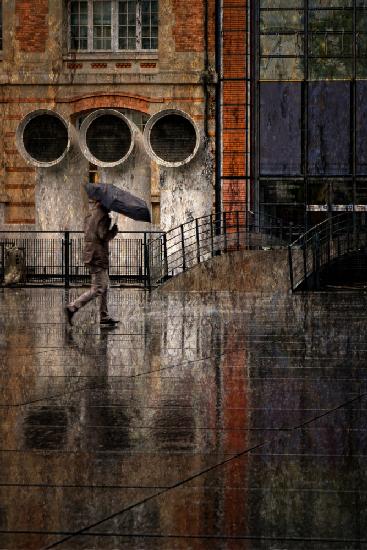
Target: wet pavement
204, 421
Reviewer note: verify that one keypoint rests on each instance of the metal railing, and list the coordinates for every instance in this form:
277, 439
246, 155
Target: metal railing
324, 243
56, 257
144, 258
196, 241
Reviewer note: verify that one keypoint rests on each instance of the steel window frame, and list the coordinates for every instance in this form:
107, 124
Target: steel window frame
305, 176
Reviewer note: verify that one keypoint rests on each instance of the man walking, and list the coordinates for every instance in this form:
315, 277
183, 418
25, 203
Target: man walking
97, 234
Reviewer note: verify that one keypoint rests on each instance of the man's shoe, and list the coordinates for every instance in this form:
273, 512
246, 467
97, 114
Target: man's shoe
69, 314
108, 322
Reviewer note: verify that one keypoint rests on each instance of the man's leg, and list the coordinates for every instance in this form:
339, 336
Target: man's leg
98, 287
106, 320
104, 283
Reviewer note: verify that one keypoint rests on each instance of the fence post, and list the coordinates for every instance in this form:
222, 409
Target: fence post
225, 230
147, 280
304, 247
67, 258
165, 256
328, 250
330, 238
317, 252
211, 234
218, 223
144, 256
183, 247
197, 240
2, 261
238, 229
290, 261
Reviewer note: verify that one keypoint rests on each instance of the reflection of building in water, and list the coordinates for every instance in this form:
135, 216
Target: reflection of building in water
183, 384
235, 407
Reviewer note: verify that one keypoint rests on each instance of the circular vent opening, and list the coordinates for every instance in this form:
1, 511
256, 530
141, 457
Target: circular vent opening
45, 138
108, 138
171, 138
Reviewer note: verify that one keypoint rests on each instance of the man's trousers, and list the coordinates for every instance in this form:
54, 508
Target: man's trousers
99, 287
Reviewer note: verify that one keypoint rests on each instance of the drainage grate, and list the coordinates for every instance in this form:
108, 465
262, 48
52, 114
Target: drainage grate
173, 138
45, 138
108, 138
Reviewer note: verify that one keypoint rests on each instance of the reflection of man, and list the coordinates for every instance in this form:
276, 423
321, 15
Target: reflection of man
97, 234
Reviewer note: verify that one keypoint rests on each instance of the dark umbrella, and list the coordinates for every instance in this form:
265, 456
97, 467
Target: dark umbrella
119, 200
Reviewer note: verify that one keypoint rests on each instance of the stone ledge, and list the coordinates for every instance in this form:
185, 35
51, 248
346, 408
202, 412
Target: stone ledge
112, 56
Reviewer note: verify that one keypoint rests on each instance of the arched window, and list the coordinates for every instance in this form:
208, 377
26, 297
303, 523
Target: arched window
113, 25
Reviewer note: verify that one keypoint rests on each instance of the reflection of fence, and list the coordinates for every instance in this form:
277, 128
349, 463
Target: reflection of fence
53, 257
198, 240
323, 244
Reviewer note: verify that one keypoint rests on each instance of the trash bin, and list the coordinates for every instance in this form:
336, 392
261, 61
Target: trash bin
14, 268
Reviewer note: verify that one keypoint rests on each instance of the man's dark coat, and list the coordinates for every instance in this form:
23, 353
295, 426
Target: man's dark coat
97, 235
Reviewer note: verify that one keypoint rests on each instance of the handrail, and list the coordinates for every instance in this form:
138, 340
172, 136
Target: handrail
159, 255
197, 240
78, 232
56, 257
324, 243
317, 227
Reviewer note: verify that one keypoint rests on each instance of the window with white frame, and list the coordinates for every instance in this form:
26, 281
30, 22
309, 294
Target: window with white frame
113, 25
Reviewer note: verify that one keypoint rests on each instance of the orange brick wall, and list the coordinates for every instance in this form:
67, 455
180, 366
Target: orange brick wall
32, 25
235, 153
188, 29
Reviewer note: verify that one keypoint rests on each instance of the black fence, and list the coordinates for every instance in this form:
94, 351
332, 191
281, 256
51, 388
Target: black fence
56, 258
196, 241
324, 244
143, 259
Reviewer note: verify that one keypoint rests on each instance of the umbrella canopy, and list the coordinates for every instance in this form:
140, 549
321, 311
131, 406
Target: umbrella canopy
119, 200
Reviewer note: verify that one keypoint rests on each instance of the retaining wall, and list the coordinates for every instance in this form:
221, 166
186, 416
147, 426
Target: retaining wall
244, 270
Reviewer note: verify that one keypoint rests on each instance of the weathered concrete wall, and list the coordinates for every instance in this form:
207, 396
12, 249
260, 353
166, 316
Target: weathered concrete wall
244, 271
37, 71
186, 192
60, 202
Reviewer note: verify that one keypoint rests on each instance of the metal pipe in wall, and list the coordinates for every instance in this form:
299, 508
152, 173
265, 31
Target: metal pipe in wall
218, 107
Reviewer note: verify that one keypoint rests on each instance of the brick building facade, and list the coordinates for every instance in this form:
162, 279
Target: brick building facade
66, 66
228, 105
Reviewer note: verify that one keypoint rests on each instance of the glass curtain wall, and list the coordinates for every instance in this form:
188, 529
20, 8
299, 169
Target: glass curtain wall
310, 108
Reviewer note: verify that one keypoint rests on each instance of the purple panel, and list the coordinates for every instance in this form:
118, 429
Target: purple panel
329, 128
361, 127
280, 128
